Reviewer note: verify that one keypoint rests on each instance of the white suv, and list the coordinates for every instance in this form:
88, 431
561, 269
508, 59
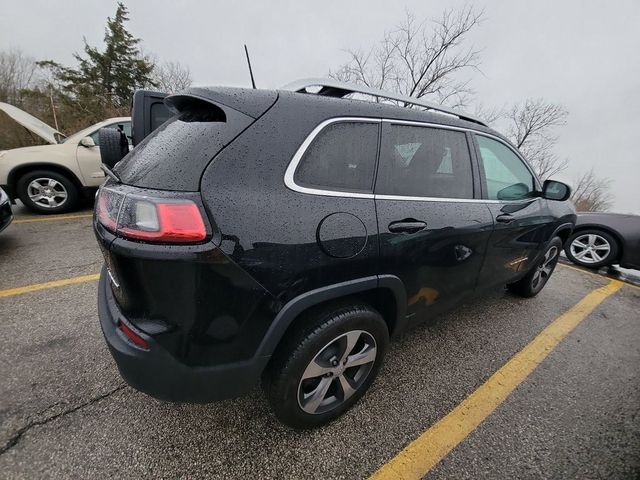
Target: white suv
50, 178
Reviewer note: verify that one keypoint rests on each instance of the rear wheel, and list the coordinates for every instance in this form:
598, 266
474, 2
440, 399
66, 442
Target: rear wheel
322, 370
592, 248
534, 281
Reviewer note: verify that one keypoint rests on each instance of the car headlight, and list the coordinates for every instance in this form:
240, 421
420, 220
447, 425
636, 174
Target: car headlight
3, 197
2, 152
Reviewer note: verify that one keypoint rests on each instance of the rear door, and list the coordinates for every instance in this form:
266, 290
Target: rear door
521, 216
433, 226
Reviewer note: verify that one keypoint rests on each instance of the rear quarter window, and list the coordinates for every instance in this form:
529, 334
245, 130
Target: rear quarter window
175, 155
342, 157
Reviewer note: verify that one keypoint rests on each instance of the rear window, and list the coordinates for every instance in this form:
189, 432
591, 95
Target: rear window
175, 155
425, 162
342, 157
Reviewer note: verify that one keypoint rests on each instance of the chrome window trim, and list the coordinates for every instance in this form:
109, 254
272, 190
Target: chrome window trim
476, 132
293, 165
297, 157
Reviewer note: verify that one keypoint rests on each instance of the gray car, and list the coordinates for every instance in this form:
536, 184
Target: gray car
601, 239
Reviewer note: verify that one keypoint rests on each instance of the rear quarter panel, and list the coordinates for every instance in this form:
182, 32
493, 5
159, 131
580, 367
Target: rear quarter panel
271, 231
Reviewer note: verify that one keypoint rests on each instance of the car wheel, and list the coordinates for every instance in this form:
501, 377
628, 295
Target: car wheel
592, 248
322, 370
45, 191
535, 280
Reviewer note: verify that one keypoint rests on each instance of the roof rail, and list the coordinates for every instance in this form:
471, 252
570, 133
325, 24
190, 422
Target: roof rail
335, 88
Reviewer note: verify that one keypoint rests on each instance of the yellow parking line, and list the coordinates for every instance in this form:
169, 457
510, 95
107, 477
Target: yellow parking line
43, 286
52, 218
421, 455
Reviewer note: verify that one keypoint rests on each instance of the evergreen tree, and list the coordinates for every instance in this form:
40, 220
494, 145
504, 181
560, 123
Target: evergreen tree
104, 81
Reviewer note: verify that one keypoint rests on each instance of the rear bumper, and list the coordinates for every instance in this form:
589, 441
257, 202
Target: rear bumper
157, 373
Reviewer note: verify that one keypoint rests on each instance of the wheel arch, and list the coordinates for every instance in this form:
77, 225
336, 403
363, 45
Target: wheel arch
386, 293
20, 170
564, 231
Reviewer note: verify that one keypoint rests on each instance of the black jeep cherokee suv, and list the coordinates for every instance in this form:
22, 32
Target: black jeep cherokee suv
284, 236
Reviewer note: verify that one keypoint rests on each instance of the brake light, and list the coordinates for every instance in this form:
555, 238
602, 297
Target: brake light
165, 222
149, 219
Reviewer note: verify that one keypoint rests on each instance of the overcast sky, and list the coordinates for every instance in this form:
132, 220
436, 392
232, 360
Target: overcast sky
584, 55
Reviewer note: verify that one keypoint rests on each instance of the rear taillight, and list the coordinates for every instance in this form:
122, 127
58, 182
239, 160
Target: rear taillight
107, 208
158, 220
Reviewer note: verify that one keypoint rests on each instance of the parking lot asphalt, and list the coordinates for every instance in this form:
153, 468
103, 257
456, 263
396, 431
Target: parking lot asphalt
66, 413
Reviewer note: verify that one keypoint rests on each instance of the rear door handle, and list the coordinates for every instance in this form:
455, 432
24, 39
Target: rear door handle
505, 218
408, 225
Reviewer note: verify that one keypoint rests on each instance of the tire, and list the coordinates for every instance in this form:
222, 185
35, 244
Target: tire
58, 194
317, 352
535, 280
113, 147
592, 248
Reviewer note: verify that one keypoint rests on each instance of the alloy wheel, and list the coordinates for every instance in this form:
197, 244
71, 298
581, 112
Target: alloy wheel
337, 372
543, 271
47, 192
590, 248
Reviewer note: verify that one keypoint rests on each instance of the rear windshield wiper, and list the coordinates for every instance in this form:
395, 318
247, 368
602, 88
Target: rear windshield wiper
110, 173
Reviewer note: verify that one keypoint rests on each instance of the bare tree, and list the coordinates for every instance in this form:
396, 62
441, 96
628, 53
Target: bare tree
171, 77
530, 128
592, 194
419, 59
17, 73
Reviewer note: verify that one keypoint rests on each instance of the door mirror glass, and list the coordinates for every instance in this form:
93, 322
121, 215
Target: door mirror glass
517, 191
87, 142
552, 190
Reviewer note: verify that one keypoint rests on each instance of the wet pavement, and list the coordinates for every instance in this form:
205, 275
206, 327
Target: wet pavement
66, 413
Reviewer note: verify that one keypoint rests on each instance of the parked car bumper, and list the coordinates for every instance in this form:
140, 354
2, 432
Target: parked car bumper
156, 372
9, 191
6, 215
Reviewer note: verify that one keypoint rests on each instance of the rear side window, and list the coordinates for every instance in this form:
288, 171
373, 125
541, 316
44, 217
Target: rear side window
342, 157
506, 175
425, 162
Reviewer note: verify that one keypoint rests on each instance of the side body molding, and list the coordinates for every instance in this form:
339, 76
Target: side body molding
291, 311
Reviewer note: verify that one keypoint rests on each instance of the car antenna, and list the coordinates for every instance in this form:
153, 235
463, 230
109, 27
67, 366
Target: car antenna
253, 82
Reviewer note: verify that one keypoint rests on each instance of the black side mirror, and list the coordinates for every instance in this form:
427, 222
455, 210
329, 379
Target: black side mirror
552, 190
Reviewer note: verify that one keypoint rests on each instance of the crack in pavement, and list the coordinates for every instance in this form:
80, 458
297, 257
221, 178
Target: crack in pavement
15, 438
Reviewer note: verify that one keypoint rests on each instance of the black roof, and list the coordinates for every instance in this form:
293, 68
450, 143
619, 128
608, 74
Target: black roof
253, 102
